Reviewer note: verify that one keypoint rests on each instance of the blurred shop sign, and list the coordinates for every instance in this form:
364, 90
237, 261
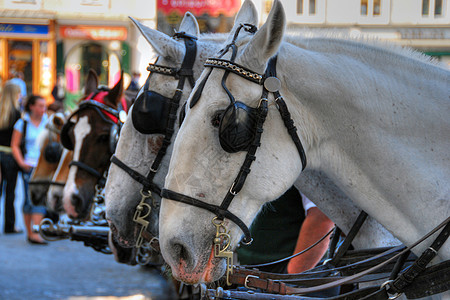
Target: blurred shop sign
93, 32
200, 7
23, 29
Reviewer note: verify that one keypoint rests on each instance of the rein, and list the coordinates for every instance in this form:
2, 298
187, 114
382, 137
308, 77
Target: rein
182, 73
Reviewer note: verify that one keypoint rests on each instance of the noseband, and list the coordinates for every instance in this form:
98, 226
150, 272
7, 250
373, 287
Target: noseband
163, 121
270, 84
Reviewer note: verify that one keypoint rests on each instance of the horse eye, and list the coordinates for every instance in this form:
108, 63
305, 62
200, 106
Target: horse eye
215, 120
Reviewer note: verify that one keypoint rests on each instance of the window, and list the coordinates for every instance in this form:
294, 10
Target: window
306, 6
432, 8
267, 6
370, 7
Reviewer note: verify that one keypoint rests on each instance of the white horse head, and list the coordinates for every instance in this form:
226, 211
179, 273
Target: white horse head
369, 123
138, 150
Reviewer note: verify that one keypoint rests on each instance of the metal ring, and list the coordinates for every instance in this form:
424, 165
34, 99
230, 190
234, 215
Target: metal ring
217, 224
386, 283
247, 243
434, 251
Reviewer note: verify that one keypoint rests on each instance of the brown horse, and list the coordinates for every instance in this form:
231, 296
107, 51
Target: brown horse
91, 132
55, 192
49, 142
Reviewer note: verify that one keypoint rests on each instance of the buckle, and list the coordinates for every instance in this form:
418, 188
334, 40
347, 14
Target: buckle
246, 281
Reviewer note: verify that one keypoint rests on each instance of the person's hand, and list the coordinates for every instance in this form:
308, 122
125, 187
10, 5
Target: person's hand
26, 167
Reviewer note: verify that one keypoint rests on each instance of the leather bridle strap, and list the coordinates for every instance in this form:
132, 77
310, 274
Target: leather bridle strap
46, 182
136, 175
97, 106
215, 209
86, 168
185, 71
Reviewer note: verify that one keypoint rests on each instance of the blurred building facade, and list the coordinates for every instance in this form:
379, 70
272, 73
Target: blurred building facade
44, 37
420, 24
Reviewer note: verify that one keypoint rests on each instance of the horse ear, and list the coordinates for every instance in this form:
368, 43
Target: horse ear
189, 25
246, 15
115, 95
267, 39
91, 83
162, 43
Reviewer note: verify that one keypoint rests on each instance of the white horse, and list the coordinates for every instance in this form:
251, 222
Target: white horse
137, 150
374, 122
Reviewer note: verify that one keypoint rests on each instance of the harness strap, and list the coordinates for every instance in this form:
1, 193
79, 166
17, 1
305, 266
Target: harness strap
340, 281
184, 72
420, 264
434, 280
86, 168
359, 294
215, 209
349, 238
148, 185
47, 182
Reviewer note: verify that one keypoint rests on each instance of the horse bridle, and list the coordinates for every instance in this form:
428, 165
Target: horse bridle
115, 117
166, 115
239, 126
52, 154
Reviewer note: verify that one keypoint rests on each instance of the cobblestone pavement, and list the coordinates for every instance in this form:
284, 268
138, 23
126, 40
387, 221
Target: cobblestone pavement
69, 270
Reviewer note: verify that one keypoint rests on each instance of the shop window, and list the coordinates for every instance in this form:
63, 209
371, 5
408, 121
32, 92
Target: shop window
268, 6
432, 8
306, 6
20, 56
84, 57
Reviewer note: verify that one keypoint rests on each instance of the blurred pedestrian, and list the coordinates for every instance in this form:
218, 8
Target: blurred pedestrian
25, 150
18, 79
9, 114
59, 93
134, 84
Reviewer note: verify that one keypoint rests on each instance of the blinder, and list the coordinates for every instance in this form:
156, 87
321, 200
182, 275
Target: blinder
65, 135
237, 128
150, 113
52, 152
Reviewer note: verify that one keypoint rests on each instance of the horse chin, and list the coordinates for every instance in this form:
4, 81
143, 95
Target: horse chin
208, 269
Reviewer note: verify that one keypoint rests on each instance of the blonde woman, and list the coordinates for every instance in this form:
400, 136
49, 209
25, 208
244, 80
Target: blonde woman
9, 114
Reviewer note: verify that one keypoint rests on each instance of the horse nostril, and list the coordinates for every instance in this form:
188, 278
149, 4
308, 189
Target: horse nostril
181, 252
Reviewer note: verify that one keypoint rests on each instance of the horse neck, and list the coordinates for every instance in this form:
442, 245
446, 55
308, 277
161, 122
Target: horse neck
365, 118
338, 78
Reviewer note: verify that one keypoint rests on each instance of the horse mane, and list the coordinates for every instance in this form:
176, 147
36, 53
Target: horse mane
306, 38
213, 37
